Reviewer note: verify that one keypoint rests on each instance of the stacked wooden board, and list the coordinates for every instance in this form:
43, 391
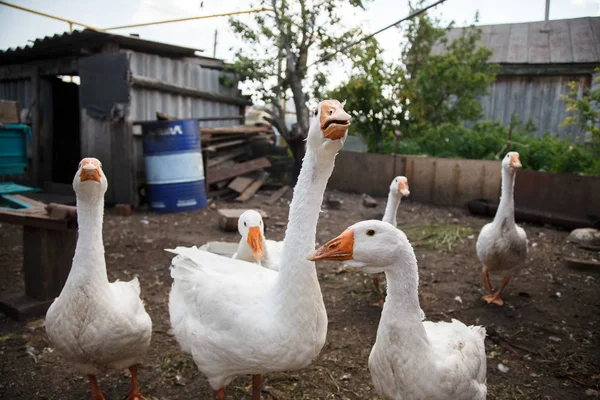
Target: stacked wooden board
230, 168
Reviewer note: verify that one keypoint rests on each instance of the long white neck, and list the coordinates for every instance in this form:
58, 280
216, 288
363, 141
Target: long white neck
297, 280
506, 208
401, 311
391, 208
89, 265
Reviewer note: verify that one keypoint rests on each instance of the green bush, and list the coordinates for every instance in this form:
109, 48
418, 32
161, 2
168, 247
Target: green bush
486, 140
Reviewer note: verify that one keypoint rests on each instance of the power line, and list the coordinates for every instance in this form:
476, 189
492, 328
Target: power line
414, 14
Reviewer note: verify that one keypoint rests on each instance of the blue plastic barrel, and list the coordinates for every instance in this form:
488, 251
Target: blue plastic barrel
174, 168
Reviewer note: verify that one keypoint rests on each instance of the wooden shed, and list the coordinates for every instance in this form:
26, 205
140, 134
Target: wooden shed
83, 92
537, 61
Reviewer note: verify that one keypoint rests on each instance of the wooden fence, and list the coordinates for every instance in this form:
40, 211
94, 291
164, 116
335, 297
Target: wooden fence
454, 182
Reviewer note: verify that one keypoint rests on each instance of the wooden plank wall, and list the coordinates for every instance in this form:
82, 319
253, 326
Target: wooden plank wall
535, 97
364, 172
111, 141
453, 182
441, 181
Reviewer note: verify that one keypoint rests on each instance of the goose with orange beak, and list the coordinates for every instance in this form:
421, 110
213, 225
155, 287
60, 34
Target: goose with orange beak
398, 190
253, 246
411, 358
96, 325
235, 317
502, 245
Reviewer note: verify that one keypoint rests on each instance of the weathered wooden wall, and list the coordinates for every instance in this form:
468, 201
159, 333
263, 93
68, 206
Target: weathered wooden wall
111, 141
453, 182
533, 97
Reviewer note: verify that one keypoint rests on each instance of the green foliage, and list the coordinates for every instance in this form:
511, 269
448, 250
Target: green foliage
421, 89
584, 105
372, 109
486, 140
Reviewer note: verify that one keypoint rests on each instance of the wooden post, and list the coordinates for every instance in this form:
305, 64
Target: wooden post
35, 127
47, 258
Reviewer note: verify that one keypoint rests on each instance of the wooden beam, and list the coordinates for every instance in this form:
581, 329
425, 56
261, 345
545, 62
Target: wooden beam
232, 143
241, 183
547, 69
203, 119
155, 84
61, 66
236, 170
277, 195
226, 157
237, 129
253, 188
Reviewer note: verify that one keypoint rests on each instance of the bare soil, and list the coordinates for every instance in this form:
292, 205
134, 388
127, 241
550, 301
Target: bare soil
550, 316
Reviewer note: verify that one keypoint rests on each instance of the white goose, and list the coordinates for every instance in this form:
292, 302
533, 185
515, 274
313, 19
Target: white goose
253, 246
398, 190
96, 325
411, 359
502, 245
235, 317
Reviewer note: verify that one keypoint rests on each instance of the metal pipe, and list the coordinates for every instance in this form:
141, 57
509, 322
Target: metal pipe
547, 11
71, 23
187, 19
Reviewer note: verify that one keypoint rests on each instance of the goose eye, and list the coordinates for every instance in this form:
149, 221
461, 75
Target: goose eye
330, 112
370, 232
245, 224
316, 112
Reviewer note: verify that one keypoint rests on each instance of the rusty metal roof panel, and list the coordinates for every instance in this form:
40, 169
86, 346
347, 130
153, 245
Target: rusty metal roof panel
88, 41
559, 41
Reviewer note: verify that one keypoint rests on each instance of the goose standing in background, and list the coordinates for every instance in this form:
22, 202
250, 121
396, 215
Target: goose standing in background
398, 190
253, 246
236, 317
411, 359
97, 326
502, 245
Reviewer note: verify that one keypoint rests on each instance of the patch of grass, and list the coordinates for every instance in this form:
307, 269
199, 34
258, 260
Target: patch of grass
437, 236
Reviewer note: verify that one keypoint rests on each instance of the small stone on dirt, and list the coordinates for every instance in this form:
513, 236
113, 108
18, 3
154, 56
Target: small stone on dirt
587, 236
369, 202
335, 203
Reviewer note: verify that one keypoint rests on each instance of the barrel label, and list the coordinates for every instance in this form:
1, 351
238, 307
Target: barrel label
186, 203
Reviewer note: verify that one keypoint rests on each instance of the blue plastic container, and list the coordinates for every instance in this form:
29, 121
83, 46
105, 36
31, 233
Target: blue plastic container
174, 168
13, 148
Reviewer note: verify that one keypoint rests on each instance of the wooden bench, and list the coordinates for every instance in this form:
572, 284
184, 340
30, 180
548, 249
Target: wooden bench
49, 239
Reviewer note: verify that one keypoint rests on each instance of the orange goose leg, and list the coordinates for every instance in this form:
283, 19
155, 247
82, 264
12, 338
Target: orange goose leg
220, 394
134, 393
256, 387
96, 393
495, 298
486, 279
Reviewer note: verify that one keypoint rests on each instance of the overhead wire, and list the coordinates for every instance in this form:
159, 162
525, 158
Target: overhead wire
367, 37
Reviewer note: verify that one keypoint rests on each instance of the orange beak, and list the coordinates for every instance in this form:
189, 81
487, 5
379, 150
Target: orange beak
255, 243
403, 188
334, 120
338, 249
515, 161
89, 171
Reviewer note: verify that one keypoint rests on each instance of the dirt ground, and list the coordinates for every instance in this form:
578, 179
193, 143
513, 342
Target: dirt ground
550, 316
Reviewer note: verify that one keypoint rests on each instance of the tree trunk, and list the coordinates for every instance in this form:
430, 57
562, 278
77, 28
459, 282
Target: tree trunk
300, 130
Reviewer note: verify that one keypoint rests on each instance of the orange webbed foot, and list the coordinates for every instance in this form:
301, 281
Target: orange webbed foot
494, 298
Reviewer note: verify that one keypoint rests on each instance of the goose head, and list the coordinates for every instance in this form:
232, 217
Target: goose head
400, 186
90, 182
328, 126
251, 227
373, 245
511, 161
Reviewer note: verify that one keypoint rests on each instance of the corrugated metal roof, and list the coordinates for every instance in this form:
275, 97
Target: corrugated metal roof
85, 41
553, 42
